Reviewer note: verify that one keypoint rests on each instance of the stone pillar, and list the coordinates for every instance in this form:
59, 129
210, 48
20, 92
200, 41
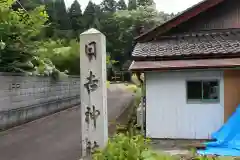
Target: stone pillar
93, 91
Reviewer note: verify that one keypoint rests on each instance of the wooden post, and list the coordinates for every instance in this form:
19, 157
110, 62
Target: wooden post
93, 91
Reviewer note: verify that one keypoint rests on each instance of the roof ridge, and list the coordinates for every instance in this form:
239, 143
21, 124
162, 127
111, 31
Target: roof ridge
186, 14
203, 33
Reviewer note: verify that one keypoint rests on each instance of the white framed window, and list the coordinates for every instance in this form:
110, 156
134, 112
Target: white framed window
204, 91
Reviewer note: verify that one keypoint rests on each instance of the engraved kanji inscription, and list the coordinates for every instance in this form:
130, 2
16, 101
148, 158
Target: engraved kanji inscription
92, 83
91, 147
87, 115
90, 50
93, 114
15, 86
88, 147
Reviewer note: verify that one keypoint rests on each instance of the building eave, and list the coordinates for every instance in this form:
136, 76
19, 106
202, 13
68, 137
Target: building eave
141, 66
189, 57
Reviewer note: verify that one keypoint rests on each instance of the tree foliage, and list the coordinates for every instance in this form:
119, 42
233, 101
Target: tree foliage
132, 4
59, 21
60, 15
27, 4
36, 40
126, 25
19, 32
121, 5
64, 56
145, 2
108, 6
90, 16
76, 18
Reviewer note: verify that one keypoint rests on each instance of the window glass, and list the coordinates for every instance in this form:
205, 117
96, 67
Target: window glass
210, 90
203, 91
194, 90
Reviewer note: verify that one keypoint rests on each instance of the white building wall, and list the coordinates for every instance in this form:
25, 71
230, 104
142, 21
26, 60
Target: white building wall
168, 115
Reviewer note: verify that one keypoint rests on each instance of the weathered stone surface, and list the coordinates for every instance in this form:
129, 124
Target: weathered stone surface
93, 85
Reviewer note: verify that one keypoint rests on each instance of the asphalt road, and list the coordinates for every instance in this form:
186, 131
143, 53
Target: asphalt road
56, 137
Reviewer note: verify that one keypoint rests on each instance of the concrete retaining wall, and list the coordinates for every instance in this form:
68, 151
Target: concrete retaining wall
25, 98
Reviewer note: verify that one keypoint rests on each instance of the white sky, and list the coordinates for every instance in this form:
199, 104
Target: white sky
168, 6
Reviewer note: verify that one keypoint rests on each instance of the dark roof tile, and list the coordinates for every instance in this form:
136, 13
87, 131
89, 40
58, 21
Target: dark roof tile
190, 44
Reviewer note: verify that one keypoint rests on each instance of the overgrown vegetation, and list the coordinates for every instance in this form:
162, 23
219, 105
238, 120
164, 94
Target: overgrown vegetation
128, 147
124, 147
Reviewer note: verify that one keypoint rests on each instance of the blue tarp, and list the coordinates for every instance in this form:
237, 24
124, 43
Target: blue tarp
227, 138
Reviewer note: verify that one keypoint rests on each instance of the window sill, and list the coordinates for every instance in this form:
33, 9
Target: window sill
203, 102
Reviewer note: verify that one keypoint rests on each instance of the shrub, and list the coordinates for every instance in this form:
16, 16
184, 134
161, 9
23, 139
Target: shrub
125, 147
122, 147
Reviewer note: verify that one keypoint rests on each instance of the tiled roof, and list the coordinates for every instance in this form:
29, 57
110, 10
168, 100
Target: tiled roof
191, 44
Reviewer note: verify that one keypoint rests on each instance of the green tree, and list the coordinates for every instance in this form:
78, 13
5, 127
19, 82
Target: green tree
75, 9
76, 18
108, 5
58, 18
127, 25
132, 4
61, 15
50, 29
90, 16
19, 31
121, 5
145, 2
